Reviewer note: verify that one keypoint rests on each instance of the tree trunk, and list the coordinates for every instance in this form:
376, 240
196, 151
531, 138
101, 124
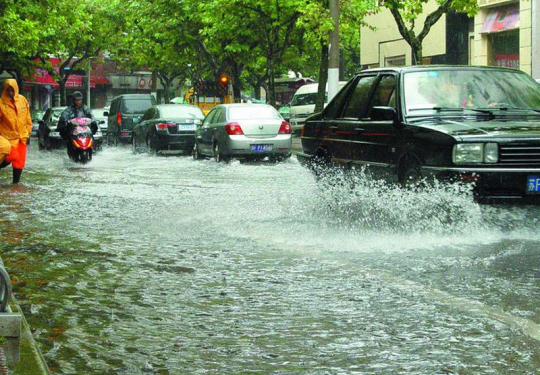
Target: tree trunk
323, 79
63, 98
416, 51
167, 88
271, 99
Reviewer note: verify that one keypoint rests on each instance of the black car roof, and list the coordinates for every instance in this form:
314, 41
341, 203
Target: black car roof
402, 69
133, 96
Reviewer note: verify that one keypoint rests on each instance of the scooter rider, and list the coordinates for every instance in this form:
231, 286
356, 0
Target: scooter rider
76, 109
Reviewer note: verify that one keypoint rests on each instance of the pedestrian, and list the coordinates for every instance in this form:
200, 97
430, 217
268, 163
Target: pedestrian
15, 128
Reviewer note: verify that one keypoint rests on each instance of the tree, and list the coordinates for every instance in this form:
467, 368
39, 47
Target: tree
317, 24
81, 30
250, 33
22, 36
159, 36
406, 12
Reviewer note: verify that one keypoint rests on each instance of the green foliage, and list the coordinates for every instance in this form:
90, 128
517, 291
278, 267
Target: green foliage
253, 41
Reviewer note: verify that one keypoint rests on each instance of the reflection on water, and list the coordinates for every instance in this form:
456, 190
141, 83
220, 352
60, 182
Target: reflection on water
136, 264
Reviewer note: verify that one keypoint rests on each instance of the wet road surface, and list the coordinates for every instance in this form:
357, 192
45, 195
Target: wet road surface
138, 264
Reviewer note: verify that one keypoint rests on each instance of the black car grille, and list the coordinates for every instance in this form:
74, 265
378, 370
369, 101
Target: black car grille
520, 154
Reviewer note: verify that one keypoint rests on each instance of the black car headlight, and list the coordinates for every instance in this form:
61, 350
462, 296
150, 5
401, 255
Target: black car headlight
474, 153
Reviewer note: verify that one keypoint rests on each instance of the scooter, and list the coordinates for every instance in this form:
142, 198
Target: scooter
81, 142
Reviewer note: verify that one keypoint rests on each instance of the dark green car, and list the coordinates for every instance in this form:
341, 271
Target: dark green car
167, 127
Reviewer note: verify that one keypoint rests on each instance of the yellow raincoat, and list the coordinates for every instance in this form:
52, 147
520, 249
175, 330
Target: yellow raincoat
15, 120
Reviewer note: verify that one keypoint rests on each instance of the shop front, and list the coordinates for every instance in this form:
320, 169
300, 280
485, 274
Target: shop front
501, 28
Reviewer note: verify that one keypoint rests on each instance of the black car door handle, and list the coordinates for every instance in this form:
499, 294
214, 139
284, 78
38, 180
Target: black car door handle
334, 127
359, 130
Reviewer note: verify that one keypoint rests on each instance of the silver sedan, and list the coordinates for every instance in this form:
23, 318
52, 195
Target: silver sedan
243, 131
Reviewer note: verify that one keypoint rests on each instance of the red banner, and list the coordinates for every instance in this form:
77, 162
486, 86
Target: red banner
42, 77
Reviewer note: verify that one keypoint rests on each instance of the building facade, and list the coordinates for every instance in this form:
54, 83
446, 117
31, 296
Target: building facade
503, 33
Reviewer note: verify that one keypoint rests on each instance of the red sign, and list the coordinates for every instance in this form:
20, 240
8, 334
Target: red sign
42, 76
507, 60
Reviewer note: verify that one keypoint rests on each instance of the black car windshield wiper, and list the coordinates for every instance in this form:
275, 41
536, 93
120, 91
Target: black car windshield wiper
438, 109
505, 107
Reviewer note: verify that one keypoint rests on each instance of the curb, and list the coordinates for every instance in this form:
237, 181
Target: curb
32, 361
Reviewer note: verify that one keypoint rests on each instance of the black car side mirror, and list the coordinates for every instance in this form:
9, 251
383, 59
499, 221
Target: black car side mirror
384, 114
106, 114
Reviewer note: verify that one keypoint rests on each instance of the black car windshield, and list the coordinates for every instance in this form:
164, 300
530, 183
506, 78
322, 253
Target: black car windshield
136, 106
450, 89
253, 112
181, 112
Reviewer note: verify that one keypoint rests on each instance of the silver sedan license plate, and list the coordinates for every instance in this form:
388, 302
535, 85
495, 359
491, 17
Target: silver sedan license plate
262, 148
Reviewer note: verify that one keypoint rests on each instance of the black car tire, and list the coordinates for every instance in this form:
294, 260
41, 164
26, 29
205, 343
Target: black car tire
196, 153
410, 173
151, 144
218, 156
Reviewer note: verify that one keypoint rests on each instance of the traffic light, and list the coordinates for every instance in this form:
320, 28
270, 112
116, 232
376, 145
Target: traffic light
223, 84
224, 80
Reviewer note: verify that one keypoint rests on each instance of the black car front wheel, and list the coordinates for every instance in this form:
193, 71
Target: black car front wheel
196, 153
410, 173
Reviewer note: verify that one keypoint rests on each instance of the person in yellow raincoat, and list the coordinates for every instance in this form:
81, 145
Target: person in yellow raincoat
15, 128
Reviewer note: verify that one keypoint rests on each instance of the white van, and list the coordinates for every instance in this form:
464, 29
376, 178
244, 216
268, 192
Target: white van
303, 104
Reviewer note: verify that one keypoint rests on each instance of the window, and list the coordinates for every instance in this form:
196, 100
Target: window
395, 61
356, 106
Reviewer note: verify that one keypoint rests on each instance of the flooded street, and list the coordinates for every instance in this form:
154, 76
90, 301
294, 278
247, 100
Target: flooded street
138, 264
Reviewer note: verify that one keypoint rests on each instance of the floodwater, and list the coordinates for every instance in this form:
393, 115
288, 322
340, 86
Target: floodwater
138, 264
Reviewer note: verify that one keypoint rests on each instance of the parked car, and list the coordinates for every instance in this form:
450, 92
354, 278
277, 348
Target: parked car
244, 131
471, 124
126, 111
36, 114
48, 137
303, 104
101, 119
285, 112
168, 127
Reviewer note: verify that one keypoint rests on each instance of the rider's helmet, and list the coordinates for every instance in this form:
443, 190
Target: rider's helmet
77, 95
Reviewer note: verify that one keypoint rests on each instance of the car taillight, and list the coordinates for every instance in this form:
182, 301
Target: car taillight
285, 128
303, 130
234, 128
164, 125
119, 118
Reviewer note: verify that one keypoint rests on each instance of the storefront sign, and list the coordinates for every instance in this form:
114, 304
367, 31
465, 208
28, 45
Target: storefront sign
501, 19
507, 60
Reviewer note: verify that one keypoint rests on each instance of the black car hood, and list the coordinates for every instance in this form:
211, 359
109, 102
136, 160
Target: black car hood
497, 128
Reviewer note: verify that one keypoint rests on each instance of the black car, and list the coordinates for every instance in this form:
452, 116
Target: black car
456, 123
168, 127
125, 111
48, 137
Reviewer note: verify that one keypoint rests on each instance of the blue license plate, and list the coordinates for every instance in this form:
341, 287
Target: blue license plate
261, 148
533, 184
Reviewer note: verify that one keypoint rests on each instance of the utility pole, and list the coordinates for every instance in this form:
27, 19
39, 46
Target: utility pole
333, 62
88, 84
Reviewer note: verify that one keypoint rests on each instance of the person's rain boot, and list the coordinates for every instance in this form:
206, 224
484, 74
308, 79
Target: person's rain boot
16, 175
